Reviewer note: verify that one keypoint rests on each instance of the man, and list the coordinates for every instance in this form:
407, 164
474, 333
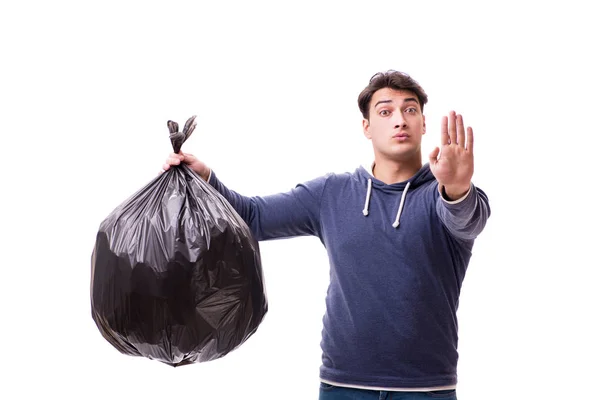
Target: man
399, 237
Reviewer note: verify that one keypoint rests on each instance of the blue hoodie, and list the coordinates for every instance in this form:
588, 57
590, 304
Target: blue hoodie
398, 255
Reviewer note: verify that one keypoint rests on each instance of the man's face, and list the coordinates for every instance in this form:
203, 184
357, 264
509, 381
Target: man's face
396, 124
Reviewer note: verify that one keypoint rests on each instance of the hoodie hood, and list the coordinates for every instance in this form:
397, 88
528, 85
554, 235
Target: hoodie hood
423, 176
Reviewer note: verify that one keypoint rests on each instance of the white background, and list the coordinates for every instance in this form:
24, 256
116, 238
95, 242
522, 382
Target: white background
86, 91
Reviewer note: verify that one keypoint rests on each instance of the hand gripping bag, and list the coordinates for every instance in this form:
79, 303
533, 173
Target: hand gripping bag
176, 274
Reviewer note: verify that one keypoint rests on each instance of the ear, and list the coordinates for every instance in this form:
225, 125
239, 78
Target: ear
424, 125
366, 127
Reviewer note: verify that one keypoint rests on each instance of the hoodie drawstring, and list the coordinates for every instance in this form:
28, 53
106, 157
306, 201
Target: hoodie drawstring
396, 223
366, 209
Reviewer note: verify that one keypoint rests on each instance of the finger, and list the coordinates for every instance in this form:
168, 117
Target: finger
433, 155
452, 127
166, 167
445, 137
460, 131
173, 161
470, 139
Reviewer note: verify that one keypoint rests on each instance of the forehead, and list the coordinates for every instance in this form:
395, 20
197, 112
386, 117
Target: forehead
396, 96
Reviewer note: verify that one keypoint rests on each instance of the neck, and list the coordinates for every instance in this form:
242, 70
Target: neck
393, 171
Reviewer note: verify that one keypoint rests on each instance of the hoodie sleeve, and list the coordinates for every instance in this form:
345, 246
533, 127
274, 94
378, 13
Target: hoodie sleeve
293, 213
466, 217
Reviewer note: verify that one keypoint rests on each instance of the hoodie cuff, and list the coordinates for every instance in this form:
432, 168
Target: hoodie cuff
443, 195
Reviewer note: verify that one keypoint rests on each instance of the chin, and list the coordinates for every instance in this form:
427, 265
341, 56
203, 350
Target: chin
403, 156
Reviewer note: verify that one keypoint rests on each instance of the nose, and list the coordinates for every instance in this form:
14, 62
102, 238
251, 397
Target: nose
399, 120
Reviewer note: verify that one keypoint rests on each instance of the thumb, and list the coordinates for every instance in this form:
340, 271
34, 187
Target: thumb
188, 159
433, 155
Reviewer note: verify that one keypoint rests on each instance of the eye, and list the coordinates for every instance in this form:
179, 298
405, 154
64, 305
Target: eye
384, 113
411, 110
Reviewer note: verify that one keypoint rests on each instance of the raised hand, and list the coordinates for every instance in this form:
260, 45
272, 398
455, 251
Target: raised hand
452, 163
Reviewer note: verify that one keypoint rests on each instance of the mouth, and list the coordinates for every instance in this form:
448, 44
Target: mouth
400, 136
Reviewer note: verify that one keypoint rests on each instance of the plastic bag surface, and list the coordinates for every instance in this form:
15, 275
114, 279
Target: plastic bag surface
176, 274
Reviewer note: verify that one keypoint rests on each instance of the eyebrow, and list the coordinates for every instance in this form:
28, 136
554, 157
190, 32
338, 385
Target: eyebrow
406, 100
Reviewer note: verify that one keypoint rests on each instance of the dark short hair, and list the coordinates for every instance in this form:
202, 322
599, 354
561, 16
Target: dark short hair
390, 79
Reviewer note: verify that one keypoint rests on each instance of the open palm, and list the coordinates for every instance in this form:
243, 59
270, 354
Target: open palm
452, 163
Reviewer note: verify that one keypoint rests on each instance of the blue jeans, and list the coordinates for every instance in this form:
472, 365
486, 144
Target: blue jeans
329, 392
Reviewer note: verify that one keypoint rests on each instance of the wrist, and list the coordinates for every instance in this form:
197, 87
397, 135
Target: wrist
452, 193
205, 174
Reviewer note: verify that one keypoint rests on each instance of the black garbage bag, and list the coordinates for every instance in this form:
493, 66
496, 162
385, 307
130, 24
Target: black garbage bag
176, 273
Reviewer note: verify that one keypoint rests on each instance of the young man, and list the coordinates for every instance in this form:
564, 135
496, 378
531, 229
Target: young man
399, 239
